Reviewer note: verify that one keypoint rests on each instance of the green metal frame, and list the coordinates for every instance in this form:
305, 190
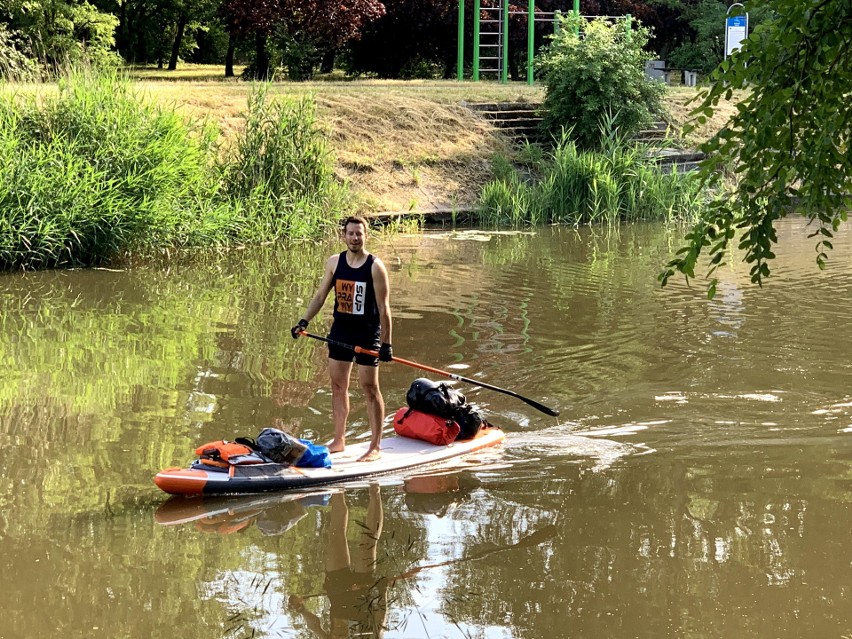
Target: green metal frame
504, 72
477, 10
460, 65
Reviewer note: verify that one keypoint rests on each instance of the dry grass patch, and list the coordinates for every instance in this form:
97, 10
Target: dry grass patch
408, 152
680, 101
402, 145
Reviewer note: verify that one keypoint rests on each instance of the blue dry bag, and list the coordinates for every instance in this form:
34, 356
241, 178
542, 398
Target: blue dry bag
316, 456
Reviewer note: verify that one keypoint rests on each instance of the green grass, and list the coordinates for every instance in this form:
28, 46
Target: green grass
93, 172
574, 186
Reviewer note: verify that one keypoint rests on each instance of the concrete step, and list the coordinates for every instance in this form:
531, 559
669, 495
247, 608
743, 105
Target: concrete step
500, 117
683, 161
517, 123
532, 133
651, 134
502, 106
670, 156
521, 122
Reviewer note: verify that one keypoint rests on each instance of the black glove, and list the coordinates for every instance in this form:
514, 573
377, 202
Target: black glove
386, 352
302, 325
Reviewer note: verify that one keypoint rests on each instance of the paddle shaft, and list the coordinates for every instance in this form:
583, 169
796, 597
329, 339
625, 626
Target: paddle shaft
437, 371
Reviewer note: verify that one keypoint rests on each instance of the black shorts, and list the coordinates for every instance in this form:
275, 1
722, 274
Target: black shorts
365, 339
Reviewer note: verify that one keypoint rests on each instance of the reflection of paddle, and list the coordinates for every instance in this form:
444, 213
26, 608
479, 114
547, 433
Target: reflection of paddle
458, 378
534, 539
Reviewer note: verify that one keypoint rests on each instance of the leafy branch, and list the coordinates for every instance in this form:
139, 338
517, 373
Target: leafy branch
788, 144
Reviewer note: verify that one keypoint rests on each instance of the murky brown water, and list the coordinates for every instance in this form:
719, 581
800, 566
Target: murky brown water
698, 483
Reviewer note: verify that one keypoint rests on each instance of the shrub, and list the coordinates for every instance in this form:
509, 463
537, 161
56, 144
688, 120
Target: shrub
14, 64
576, 186
94, 171
600, 70
420, 68
280, 172
301, 57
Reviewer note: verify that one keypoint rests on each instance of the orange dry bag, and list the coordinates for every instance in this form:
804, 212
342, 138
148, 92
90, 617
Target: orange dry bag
430, 428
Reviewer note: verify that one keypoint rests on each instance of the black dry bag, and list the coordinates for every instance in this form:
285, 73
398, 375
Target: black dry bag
279, 446
434, 398
439, 398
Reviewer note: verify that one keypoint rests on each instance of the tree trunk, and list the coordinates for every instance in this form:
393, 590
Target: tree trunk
229, 57
139, 43
181, 26
327, 65
261, 57
514, 67
122, 41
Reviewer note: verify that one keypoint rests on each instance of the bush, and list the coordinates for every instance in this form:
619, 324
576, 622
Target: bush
576, 186
280, 172
64, 35
301, 57
14, 64
420, 68
95, 172
601, 70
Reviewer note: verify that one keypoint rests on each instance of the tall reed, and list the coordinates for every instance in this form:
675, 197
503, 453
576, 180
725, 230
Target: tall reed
91, 171
575, 186
280, 173
95, 171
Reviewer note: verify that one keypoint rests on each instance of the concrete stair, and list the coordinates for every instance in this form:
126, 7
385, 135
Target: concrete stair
520, 122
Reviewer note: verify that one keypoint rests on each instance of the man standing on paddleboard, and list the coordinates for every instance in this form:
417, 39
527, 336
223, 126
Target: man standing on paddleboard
362, 318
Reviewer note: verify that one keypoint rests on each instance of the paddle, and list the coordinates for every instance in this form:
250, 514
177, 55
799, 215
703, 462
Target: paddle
358, 349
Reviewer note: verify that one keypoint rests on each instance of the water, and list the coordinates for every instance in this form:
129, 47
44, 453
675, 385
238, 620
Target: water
697, 484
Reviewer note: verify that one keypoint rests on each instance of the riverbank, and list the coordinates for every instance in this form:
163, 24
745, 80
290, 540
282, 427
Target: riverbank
402, 145
105, 168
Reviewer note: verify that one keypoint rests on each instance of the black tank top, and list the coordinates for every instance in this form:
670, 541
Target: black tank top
354, 295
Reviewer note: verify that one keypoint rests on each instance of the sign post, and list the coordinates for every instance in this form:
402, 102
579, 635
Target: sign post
736, 30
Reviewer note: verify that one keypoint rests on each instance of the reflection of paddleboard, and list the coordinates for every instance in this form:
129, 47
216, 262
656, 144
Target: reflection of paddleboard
273, 514
398, 454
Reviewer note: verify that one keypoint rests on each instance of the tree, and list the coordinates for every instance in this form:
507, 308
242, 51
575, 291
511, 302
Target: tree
259, 19
316, 29
788, 144
703, 48
59, 33
410, 31
305, 28
598, 71
184, 17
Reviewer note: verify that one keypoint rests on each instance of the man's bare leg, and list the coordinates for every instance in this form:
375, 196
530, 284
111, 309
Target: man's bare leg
337, 554
367, 549
368, 376
339, 373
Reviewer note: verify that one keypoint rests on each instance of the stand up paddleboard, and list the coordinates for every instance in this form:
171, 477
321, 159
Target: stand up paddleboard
398, 454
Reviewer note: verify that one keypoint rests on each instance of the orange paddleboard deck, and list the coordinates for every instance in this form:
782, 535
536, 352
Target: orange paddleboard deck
398, 454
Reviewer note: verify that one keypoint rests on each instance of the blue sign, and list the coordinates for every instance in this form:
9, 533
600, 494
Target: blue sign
736, 30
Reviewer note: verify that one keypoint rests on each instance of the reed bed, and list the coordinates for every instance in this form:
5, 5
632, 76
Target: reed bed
617, 182
94, 172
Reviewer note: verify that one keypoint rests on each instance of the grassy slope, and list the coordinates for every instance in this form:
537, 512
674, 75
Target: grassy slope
402, 145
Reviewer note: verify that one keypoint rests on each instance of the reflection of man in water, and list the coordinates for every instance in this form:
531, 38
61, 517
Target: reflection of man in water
357, 596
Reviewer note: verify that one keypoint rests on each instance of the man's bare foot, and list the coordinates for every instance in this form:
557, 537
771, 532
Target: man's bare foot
336, 446
371, 455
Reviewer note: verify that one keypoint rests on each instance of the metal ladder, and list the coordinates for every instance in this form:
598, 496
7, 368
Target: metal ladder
491, 41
